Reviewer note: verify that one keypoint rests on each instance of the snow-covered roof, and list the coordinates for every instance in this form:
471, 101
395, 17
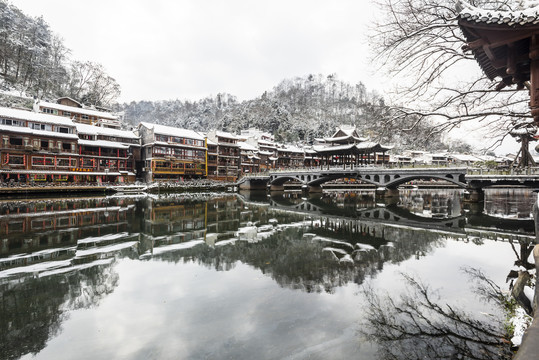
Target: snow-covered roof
291, 148
173, 131
346, 137
373, 145
367, 145
103, 143
71, 99
247, 147
437, 154
348, 130
224, 134
323, 148
526, 14
265, 142
464, 157
35, 117
98, 130
72, 109
42, 133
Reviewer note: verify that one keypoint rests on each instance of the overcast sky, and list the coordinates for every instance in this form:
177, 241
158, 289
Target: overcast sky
189, 49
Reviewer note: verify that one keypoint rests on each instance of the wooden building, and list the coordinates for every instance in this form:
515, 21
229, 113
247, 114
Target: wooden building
289, 156
249, 159
228, 155
37, 147
110, 153
172, 154
79, 113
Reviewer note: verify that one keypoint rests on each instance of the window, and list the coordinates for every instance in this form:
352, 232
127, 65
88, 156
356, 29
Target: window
50, 111
88, 163
16, 160
15, 141
84, 117
63, 130
12, 122
63, 162
161, 150
66, 113
41, 161
162, 138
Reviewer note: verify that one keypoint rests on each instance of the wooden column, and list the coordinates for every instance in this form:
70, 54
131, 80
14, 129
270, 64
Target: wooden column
534, 78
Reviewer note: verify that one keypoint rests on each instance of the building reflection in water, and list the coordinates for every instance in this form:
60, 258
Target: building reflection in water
59, 255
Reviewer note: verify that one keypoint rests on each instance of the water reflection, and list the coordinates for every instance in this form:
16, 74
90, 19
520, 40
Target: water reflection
418, 324
61, 255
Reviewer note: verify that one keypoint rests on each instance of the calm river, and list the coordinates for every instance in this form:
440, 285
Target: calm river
250, 276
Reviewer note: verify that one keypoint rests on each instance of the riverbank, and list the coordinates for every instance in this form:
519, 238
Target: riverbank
201, 185
17, 191
13, 191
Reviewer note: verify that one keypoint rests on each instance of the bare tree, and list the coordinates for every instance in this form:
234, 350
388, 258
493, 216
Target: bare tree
90, 83
420, 43
416, 326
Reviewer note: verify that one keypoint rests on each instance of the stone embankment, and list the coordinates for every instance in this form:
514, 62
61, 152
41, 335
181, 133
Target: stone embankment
18, 190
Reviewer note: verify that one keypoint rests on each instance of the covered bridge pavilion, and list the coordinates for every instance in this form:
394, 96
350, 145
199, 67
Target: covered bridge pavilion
351, 155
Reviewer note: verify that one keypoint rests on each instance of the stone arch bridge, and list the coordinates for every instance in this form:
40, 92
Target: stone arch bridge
387, 180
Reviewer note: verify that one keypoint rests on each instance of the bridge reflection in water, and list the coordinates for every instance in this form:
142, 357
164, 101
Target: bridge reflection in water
61, 255
387, 181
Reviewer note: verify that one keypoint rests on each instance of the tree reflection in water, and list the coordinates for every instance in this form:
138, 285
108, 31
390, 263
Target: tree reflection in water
417, 325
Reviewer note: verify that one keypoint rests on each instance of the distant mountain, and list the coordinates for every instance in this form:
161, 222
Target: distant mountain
296, 111
34, 63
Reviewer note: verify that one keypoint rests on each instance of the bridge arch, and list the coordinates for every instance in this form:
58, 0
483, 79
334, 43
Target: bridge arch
404, 179
281, 179
388, 178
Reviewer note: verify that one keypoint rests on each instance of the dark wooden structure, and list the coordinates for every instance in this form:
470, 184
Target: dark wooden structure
506, 45
524, 132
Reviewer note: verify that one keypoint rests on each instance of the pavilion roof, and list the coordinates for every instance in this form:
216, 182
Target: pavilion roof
344, 138
528, 14
500, 40
362, 148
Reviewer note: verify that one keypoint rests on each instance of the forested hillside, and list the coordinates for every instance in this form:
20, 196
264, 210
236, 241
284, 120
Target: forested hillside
296, 110
35, 62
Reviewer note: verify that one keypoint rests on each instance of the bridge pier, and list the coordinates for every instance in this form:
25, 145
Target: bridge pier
253, 184
387, 193
474, 195
312, 189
